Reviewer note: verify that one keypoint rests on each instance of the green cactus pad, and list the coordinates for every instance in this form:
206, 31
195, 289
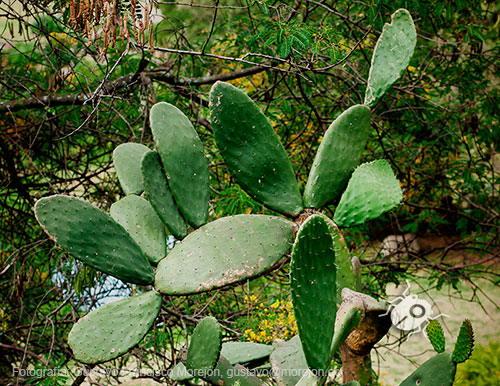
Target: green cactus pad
136, 215
243, 352
288, 362
436, 336
372, 190
391, 56
114, 329
348, 271
180, 373
93, 237
351, 383
437, 371
308, 379
226, 251
159, 195
225, 374
204, 348
465, 343
252, 151
338, 154
127, 163
344, 326
181, 152
313, 286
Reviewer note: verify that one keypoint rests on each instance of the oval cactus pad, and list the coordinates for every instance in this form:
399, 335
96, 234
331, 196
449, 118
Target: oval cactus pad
181, 153
159, 195
223, 252
93, 237
252, 150
137, 216
391, 56
372, 190
113, 329
313, 285
204, 348
338, 154
127, 162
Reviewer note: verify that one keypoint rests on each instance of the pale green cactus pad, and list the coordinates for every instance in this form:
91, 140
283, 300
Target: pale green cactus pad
138, 217
243, 352
159, 195
436, 336
184, 161
180, 373
313, 286
113, 329
288, 362
391, 56
226, 251
93, 237
225, 374
338, 154
372, 190
127, 163
438, 371
252, 151
204, 348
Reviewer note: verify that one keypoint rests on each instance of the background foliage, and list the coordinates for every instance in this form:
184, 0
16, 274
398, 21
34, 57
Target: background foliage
65, 106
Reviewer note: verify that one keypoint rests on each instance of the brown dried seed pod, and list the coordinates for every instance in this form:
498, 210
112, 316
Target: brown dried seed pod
151, 45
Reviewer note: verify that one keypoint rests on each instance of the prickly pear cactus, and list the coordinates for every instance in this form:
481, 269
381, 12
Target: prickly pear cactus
436, 336
440, 370
205, 346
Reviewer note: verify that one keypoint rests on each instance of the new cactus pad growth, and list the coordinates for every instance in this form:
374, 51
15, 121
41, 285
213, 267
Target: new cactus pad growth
114, 329
205, 346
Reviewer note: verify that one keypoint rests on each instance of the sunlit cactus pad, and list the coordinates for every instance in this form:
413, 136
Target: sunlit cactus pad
93, 237
138, 217
204, 348
159, 195
313, 285
439, 370
338, 154
242, 352
114, 329
392, 55
184, 161
252, 151
127, 163
222, 252
372, 190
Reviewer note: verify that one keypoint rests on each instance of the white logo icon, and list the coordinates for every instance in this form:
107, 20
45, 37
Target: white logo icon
409, 313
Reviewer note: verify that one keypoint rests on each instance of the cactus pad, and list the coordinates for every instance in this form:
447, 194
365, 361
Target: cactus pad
436, 336
181, 152
288, 362
225, 374
372, 190
252, 151
338, 154
226, 251
159, 195
439, 370
136, 215
204, 348
93, 237
180, 373
243, 352
127, 163
465, 343
313, 286
113, 329
391, 56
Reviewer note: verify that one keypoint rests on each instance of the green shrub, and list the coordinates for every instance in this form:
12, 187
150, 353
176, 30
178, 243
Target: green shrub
483, 367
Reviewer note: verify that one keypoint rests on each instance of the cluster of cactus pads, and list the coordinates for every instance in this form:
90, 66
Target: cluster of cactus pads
167, 192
